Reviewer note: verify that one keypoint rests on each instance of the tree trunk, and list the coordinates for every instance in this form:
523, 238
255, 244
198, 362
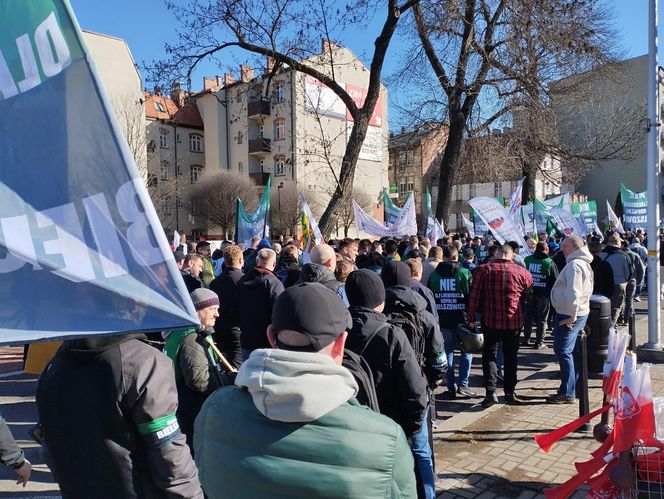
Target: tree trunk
529, 189
448, 166
346, 174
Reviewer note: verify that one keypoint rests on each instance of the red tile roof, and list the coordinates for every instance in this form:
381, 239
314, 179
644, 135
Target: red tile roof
159, 107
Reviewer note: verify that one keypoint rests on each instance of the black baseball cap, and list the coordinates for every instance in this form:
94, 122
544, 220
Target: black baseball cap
313, 310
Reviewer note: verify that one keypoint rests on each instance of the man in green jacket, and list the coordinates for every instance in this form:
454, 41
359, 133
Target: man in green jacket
291, 427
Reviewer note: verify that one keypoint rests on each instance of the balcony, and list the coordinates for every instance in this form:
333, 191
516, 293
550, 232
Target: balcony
258, 109
259, 147
260, 178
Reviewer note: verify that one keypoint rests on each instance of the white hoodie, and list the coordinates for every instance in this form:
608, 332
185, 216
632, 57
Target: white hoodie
295, 387
571, 292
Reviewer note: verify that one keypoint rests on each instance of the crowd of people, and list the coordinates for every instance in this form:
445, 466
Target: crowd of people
313, 374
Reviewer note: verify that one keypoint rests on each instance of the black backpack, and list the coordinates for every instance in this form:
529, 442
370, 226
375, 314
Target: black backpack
402, 316
361, 371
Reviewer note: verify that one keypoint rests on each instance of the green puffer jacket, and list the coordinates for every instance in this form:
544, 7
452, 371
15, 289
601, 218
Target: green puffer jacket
292, 429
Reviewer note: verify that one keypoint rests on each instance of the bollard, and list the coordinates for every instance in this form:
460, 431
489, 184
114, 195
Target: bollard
582, 383
632, 333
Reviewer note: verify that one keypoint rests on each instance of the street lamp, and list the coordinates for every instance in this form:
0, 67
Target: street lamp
279, 187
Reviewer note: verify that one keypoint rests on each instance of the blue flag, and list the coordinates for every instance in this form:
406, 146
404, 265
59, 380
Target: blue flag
251, 224
82, 251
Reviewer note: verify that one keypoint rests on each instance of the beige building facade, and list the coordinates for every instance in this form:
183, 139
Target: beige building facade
292, 127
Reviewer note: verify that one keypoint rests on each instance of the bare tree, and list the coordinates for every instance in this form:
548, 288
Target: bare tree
346, 217
214, 199
130, 113
288, 32
494, 58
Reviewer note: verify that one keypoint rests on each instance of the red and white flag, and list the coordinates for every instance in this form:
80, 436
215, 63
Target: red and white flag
635, 416
613, 367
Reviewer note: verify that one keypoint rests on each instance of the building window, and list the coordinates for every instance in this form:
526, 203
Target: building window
279, 167
152, 181
195, 143
279, 129
402, 188
472, 191
409, 158
239, 136
159, 107
497, 189
196, 173
281, 92
152, 147
402, 159
240, 167
164, 169
459, 221
163, 138
410, 186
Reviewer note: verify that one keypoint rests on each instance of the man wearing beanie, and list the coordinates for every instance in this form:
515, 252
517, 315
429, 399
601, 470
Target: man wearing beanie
292, 420
401, 387
406, 309
195, 372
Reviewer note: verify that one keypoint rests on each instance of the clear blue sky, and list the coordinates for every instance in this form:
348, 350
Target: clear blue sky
146, 25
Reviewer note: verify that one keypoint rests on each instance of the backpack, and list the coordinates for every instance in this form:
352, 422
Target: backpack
411, 324
604, 281
361, 371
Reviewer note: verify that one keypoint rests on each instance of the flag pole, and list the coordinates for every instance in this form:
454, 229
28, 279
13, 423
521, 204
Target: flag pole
237, 219
653, 184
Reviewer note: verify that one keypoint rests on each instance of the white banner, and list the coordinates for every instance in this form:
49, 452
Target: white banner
494, 215
321, 100
404, 225
372, 147
566, 223
614, 222
561, 201
434, 230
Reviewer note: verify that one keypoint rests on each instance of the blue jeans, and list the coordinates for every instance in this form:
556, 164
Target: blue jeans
423, 460
500, 357
566, 348
464, 362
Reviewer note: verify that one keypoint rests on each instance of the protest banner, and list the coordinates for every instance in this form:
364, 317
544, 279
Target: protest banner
404, 225
496, 218
390, 210
255, 223
613, 220
635, 208
565, 222
433, 230
82, 249
469, 225
586, 214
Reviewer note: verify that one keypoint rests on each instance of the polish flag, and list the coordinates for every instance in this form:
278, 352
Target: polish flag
613, 367
635, 416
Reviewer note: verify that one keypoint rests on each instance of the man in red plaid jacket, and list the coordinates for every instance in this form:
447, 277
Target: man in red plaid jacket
496, 295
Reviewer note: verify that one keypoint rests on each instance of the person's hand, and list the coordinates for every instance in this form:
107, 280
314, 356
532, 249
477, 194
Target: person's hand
568, 322
24, 473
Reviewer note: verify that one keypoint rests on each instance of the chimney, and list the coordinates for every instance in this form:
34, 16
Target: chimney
328, 45
269, 64
219, 81
177, 94
209, 83
157, 91
246, 73
228, 79
403, 129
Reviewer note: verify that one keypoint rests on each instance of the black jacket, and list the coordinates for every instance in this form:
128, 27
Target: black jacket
434, 346
314, 272
453, 303
287, 270
427, 294
259, 288
227, 287
400, 385
107, 408
192, 283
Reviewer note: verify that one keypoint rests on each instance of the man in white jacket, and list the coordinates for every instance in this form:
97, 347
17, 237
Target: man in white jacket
570, 297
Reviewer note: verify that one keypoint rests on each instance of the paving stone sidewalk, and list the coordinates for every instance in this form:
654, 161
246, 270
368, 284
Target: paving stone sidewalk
491, 453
